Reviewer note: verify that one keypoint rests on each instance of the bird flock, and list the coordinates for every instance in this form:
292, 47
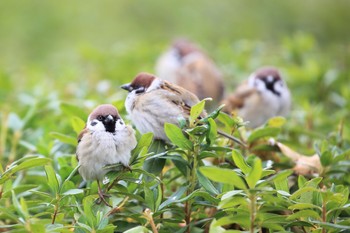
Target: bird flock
185, 74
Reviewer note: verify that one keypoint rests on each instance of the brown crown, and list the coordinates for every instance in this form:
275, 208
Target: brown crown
267, 71
143, 80
104, 110
185, 47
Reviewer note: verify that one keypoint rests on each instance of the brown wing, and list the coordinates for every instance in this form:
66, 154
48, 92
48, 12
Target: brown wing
206, 76
81, 134
181, 97
237, 99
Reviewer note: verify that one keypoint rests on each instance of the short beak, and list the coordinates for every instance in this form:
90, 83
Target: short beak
127, 87
108, 119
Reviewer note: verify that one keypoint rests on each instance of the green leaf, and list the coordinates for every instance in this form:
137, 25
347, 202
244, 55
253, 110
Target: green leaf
301, 191
196, 110
217, 229
240, 162
149, 197
69, 177
205, 182
64, 138
302, 214
326, 158
276, 122
154, 166
73, 192
18, 207
263, 132
24, 206
51, 178
232, 202
22, 164
212, 133
144, 141
281, 180
88, 203
77, 124
301, 206
255, 173
173, 198
159, 198
138, 229
199, 193
332, 226
223, 175
214, 114
176, 136
180, 164
282, 185
301, 181
73, 110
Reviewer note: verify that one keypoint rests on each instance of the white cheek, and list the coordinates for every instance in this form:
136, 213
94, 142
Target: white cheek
155, 85
259, 85
119, 125
279, 87
130, 99
96, 127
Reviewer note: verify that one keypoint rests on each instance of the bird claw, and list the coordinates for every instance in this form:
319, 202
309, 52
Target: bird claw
102, 199
102, 196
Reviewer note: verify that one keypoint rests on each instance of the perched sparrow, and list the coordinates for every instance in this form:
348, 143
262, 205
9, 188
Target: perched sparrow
151, 102
184, 64
105, 140
262, 96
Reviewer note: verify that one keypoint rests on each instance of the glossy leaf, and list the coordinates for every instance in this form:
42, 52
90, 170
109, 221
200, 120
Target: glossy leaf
176, 136
240, 162
196, 110
263, 132
255, 173
223, 175
205, 182
173, 198
52, 179
77, 124
65, 138
22, 164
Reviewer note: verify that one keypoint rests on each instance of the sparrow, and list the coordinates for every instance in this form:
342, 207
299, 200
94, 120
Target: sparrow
152, 102
105, 140
262, 96
186, 65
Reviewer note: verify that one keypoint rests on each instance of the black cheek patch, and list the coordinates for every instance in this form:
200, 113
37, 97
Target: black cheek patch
93, 123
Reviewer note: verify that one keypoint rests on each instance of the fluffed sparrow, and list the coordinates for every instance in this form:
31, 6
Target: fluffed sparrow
105, 140
262, 96
186, 65
152, 102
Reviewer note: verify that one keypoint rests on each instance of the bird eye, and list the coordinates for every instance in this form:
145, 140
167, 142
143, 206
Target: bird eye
100, 118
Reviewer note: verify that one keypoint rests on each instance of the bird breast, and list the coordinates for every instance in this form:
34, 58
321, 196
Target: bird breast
98, 149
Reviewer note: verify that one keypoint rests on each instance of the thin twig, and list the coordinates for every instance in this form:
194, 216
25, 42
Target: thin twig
148, 214
236, 140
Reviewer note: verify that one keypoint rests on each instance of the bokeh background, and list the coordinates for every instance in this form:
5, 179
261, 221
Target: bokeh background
79, 53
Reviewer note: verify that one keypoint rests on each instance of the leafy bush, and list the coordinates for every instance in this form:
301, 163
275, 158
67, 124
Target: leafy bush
202, 182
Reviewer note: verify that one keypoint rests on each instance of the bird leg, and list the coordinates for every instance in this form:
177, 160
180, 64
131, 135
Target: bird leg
102, 195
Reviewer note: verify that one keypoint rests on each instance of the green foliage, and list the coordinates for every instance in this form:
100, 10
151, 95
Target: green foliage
199, 181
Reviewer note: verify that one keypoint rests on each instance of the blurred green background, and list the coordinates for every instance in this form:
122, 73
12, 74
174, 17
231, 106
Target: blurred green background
80, 52
54, 31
